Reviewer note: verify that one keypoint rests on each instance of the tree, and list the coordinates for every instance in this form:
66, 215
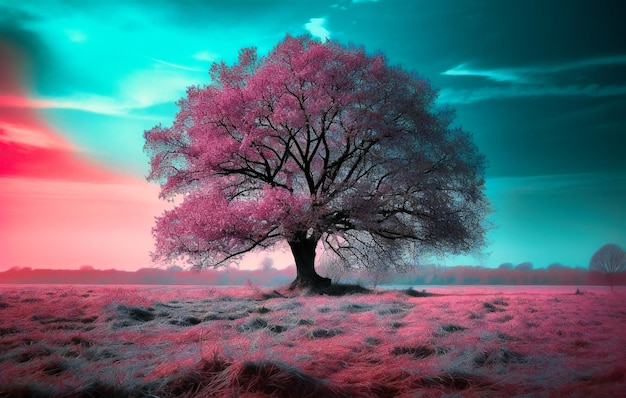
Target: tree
610, 259
267, 264
316, 142
175, 268
525, 266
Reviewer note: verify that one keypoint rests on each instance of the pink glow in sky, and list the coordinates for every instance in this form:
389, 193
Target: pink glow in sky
57, 209
67, 224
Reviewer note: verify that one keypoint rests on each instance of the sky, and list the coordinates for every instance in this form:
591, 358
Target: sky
541, 85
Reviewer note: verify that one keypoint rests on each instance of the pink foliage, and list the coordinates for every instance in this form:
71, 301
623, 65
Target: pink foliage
317, 140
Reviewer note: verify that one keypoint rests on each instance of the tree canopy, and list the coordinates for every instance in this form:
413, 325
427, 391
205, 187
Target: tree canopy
609, 259
315, 142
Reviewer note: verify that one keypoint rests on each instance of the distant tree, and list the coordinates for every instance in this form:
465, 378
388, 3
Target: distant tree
556, 266
525, 266
610, 259
267, 264
175, 268
506, 266
316, 142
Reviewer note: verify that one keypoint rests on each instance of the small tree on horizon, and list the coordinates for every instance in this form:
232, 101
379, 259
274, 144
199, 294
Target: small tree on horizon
267, 264
316, 142
609, 259
525, 266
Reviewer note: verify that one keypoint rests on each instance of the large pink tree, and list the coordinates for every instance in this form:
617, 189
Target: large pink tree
316, 142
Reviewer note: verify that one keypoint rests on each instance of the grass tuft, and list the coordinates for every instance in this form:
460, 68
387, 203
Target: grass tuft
262, 310
391, 311
187, 321
372, 341
217, 377
32, 300
89, 319
356, 308
252, 325
97, 389
7, 331
500, 301
490, 307
140, 314
278, 380
455, 381
33, 353
474, 315
342, 289
208, 372
276, 328
451, 328
54, 368
80, 341
503, 319
502, 356
616, 375
414, 293
418, 352
322, 333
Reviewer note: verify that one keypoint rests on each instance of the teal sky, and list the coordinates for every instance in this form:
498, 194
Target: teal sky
540, 84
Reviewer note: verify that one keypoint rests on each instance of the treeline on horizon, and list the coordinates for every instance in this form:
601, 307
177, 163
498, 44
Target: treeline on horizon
424, 275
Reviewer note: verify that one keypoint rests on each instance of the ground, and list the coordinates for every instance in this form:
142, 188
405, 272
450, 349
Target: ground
173, 341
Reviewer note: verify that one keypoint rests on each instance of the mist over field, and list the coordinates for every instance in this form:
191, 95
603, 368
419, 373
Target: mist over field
270, 277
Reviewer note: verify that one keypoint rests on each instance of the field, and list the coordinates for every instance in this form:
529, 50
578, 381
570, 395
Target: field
173, 341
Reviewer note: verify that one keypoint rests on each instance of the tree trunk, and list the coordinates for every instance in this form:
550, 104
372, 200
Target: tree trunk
303, 250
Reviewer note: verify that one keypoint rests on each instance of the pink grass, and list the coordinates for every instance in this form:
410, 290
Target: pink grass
186, 341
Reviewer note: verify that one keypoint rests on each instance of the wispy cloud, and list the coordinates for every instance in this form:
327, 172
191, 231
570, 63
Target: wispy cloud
139, 90
531, 81
150, 87
76, 35
582, 64
11, 101
80, 101
498, 75
93, 103
316, 28
525, 74
28, 136
205, 56
465, 96
177, 66
560, 183
89, 102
